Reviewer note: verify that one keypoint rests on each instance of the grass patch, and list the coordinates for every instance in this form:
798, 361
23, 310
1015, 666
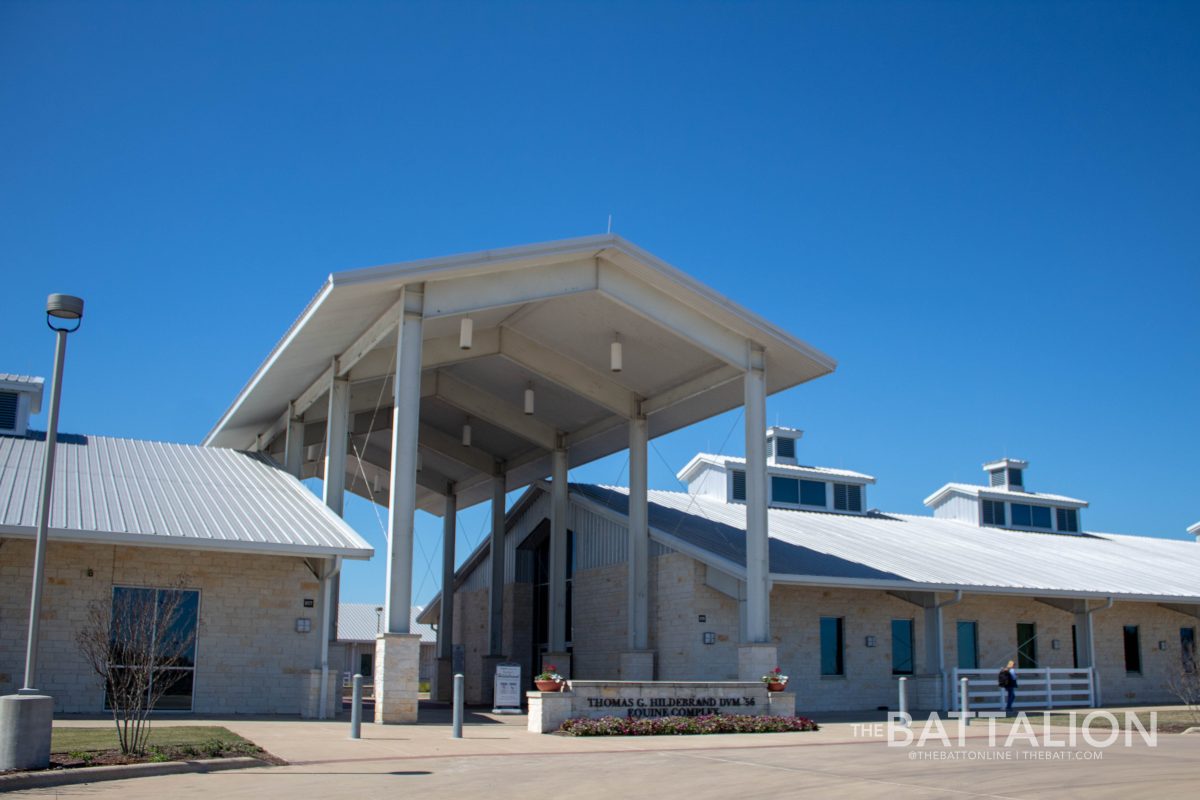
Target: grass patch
686, 726
83, 740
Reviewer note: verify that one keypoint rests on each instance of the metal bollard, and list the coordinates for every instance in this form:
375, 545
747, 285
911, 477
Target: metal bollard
356, 709
963, 709
458, 706
904, 701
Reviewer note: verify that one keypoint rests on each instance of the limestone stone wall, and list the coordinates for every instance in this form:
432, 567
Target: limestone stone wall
1155, 624
249, 657
471, 631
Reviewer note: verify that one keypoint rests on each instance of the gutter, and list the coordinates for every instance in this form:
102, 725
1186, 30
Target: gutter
326, 617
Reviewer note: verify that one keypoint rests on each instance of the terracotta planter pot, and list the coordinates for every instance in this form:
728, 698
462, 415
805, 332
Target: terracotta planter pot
776, 687
548, 686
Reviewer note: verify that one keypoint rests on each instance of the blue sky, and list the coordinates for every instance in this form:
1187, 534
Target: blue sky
985, 211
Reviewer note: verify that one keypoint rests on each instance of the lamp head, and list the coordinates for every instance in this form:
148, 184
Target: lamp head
64, 307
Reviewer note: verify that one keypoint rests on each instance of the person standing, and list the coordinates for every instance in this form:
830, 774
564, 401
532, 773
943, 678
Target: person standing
1008, 682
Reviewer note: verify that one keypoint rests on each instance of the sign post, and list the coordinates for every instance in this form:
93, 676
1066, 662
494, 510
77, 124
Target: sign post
507, 689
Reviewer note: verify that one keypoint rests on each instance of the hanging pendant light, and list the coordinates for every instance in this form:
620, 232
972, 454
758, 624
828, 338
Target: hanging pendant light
466, 330
466, 433
529, 399
615, 356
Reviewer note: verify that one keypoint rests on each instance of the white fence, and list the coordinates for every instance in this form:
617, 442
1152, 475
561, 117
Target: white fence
1036, 689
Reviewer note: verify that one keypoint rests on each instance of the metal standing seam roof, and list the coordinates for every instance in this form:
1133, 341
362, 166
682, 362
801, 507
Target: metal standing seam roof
901, 551
360, 622
136, 492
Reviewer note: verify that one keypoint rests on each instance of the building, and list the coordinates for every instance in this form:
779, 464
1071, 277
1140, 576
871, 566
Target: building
859, 597
359, 624
248, 544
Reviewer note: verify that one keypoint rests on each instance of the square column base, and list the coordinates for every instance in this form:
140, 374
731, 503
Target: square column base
560, 661
637, 665
311, 703
26, 721
487, 681
548, 710
756, 659
443, 681
397, 677
782, 704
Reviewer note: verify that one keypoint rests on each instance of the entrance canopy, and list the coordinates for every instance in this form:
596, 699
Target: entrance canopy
542, 317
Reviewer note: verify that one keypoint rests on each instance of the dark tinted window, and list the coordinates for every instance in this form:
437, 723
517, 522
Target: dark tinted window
968, 646
902, 647
1014, 477
1021, 515
993, 512
812, 493
1187, 649
1026, 645
831, 646
784, 490
1041, 517
785, 448
1133, 653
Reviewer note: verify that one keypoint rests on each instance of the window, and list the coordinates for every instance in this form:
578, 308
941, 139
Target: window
785, 447
738, 488
847, 497
1074, 647
785, 490
832, 646
156, 627
1026, 645
812, 493
993, 512
1024, 516
1133, 653
902, 647
968, 645
1014, 477
1187, 649
1068, 520
8, 411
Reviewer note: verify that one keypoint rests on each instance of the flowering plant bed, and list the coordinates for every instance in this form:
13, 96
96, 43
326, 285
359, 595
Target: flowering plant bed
686, 726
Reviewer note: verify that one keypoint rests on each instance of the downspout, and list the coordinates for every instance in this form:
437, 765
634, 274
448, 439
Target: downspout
326, 616
958, 598
1092, 644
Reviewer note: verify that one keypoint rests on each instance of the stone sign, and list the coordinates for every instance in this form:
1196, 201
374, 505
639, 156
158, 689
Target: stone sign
645, 699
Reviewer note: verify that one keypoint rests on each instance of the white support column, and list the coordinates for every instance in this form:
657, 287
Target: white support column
496, 592
397, 651
758, 612
293, 447
637, 662
445, 633
639, 537
756, 655
558, 556
337, 429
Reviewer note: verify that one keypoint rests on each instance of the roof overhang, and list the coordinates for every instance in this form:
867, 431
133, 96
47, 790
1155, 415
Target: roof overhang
989, 493
544, 316
188, 543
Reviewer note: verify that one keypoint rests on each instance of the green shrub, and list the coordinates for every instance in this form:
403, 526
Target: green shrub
686, 726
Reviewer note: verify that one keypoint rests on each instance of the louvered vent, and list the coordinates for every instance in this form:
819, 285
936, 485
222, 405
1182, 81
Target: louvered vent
739, 485
997, 477
847, 497
8, 411
785, 448
771, 447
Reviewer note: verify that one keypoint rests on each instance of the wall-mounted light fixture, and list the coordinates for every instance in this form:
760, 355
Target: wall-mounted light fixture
615, 356
303, 625
710, 637
466, 332
1055, 644
870, 641
1162, 645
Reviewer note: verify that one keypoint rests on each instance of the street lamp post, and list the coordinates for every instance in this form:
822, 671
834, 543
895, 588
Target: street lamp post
26, 718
